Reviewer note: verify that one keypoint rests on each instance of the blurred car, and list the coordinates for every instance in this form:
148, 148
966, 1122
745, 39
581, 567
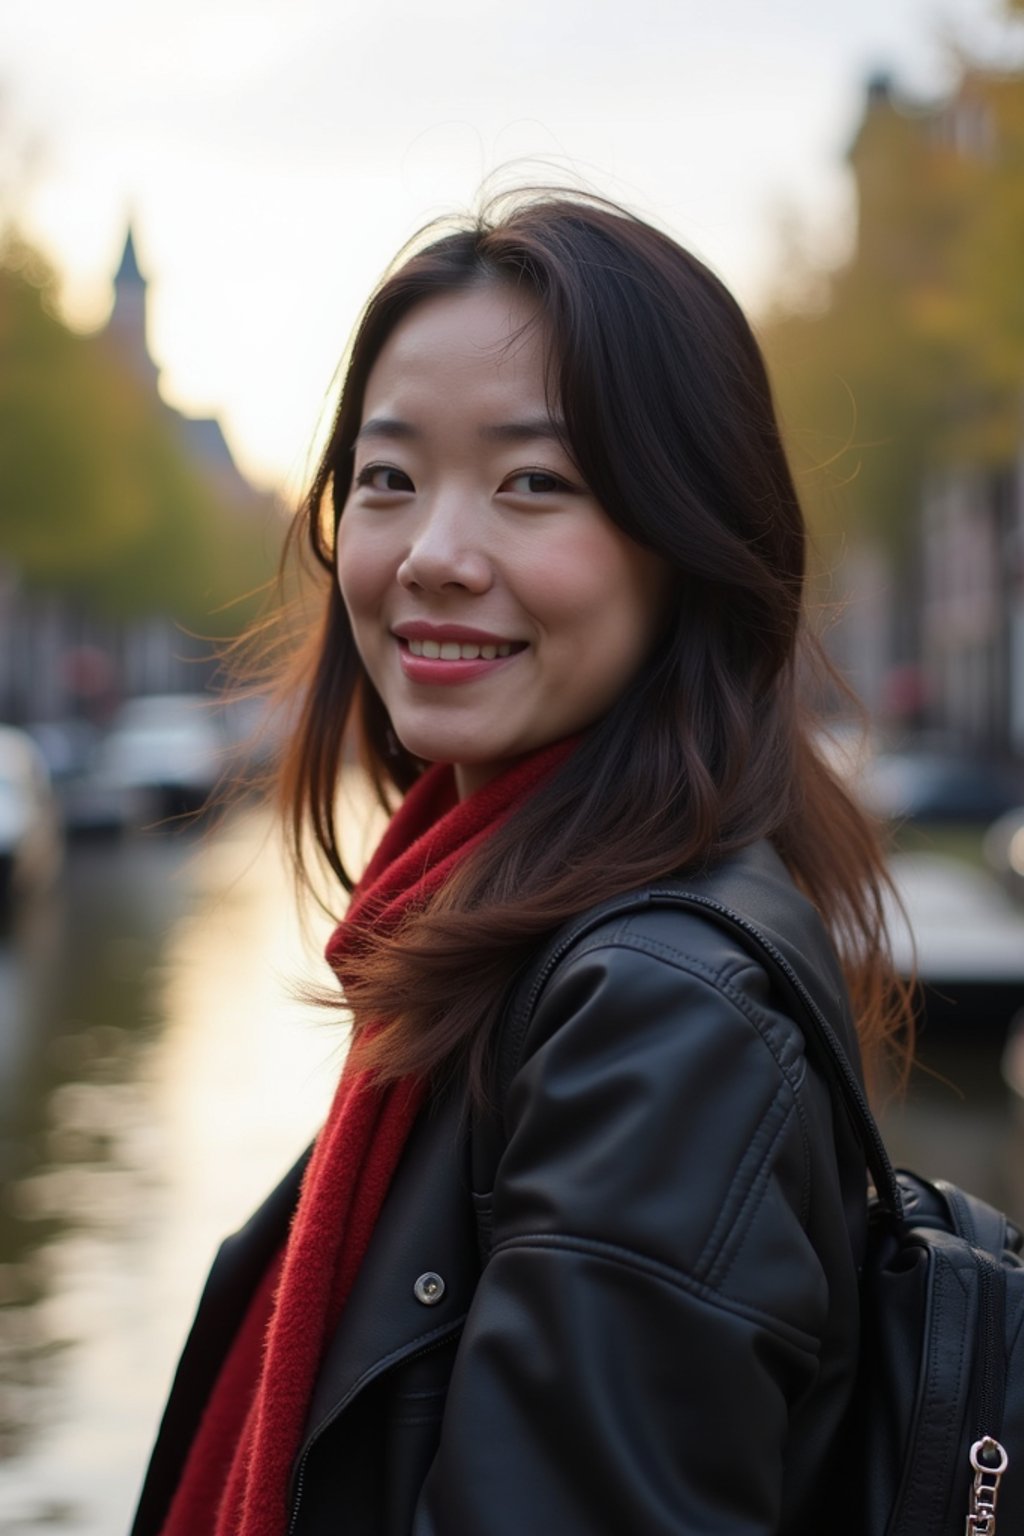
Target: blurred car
935, 786
1003, 848
958, 934
162, 757
963, 939
30, 840
87, 804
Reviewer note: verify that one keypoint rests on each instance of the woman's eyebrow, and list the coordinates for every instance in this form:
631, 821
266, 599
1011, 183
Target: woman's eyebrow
499, 431
523, 431
386, 426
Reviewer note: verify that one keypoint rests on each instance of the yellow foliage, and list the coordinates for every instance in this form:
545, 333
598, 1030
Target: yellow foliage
98, 495
916, 357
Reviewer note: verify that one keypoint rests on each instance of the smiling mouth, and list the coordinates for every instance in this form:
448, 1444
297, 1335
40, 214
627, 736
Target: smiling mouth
462, 650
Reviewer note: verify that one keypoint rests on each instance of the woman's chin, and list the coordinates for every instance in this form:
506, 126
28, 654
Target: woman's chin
463, 751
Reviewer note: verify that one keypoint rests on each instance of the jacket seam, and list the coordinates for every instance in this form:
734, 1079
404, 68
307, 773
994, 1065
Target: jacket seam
628, 1258
718, 1252
720, 979
622, 938
800, 1108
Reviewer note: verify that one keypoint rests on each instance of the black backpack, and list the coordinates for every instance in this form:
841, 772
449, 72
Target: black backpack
944, 1399
942, 1389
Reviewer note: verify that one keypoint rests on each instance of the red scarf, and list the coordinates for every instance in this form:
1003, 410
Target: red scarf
235, 1480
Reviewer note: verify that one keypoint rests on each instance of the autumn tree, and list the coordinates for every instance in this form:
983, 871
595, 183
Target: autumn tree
98, 497
914, 357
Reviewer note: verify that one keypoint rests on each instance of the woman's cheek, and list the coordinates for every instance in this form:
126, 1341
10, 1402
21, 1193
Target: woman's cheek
362, 567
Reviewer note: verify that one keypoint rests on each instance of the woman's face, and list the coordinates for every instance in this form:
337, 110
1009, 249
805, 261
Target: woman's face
496, 607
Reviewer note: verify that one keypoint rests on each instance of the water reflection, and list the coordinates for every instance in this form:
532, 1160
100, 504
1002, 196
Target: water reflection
156, 1076
72, 982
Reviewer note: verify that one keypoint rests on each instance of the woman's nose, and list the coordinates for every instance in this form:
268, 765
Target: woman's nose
446, 551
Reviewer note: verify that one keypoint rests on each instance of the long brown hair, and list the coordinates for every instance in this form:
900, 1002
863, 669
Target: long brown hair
669, 417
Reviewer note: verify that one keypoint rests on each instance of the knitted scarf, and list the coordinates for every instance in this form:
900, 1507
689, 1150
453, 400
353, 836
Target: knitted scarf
236, 1476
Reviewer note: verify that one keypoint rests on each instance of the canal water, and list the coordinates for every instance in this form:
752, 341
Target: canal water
157, 1074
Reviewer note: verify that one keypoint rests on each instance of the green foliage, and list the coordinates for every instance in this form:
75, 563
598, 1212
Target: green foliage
915, 359
98, 496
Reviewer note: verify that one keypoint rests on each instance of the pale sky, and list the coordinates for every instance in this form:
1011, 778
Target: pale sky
273, 154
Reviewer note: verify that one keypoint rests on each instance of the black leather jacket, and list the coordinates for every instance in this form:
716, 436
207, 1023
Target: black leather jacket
623, 1302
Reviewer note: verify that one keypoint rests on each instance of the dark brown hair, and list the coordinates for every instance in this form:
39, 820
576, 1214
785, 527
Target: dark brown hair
669, 417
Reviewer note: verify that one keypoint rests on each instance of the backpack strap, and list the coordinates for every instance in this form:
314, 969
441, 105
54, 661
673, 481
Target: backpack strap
975, 1220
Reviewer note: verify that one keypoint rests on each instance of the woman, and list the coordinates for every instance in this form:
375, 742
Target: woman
577, 1248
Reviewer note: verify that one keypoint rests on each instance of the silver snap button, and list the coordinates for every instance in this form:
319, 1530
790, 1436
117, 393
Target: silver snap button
429, 1289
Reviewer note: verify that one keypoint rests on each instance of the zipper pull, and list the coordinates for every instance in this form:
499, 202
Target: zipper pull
989, 1461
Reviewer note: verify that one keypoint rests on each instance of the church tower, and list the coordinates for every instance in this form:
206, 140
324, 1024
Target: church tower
127, 324
202, 438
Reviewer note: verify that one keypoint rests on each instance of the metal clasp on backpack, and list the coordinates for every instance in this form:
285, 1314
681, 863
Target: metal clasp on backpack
989, 1461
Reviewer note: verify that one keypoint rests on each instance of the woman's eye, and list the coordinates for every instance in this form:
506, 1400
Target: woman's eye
384, 477
534, 482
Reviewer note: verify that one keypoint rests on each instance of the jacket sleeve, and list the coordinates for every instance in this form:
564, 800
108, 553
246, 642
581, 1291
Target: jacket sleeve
652, 1310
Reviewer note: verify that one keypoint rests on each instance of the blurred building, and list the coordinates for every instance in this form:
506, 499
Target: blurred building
940, 191
60, 655
972, 604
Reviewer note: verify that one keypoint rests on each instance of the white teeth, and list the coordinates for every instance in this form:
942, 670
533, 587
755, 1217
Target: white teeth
452, 650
